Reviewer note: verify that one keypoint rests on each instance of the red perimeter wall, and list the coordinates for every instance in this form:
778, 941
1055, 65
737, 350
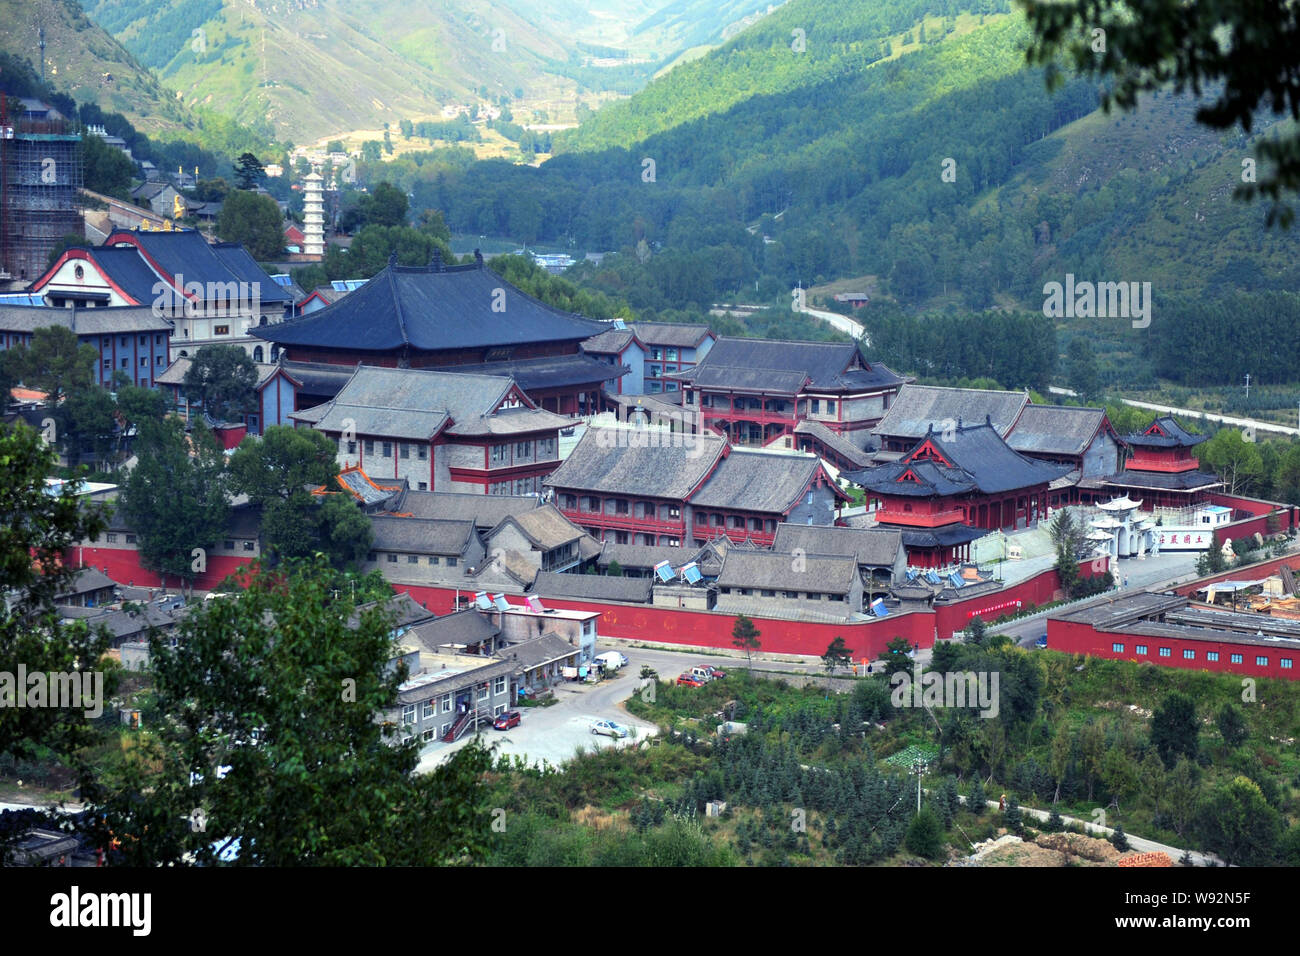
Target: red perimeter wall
123, 566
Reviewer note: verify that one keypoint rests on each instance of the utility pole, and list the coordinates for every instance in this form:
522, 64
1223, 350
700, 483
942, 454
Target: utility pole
40, 33
918, 768
1248, 385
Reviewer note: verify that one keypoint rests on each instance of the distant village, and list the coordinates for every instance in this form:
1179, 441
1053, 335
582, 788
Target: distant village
536, 480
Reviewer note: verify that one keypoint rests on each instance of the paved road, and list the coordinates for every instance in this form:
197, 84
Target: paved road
1254, 423
841, 322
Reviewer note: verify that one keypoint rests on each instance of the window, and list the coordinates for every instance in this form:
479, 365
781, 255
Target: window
769, 593
144, 340
221, 330
422, 452
830, 406
523, 449
433, 559
230, 544
157, 339
451, 562
498, 710
429, 710
125, 341
408, 714
372, 557
404, 450
672, 355
370, 446
442, 732
388, 449
484, 692
412, 559
424, 486
112, 539
126, 363
392, 559
498, 454
1164, 652
1117, 648
816, 406
1235, 659
130, 539
499, 687
250, 546
1140, 649
108, 363
144, 361
1211, 655
352, 448
446, 704
1189, 655
656, 354
108, 341
1261, 661
161, 361
427, 736
1286, 663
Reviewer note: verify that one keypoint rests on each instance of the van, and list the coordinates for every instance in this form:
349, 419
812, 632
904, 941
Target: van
612, 660
702, 674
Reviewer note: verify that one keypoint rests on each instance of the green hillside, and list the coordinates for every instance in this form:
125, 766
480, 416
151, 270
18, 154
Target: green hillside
86, 62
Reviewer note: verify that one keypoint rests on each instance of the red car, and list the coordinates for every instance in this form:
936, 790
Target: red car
714, 672
688, 680
507, 720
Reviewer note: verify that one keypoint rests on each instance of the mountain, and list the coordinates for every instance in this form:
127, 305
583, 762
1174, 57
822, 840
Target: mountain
82, 59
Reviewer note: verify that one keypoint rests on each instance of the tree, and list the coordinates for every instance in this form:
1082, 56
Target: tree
896, 656
615, 570
106, 168
86, 423
277, 472
1117, 838
837, 655
255, 221
138, 405
745, 636
1234, 460
1236, 822
191, 482
55, 363
925, 835
303, 718
1013, 818
1247, 54
1081, 368
249, 172
1231, 726
976, 631
222, 379
36, 535
1174, 729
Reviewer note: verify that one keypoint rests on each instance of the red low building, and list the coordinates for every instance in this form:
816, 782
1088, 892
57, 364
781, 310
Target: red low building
953, 488
1167, 630
631, 486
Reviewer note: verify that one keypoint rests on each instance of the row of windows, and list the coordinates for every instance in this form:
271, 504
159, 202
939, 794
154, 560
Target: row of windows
414, 559
126, 341
403, 449
788, 595
429, 708
1261, 660
144, 362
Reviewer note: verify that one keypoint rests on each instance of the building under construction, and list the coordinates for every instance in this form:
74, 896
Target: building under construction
40, 186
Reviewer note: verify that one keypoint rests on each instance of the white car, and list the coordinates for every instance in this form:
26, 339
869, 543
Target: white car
609, 728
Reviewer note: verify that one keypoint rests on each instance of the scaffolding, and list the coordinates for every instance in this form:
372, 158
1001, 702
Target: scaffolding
40, 187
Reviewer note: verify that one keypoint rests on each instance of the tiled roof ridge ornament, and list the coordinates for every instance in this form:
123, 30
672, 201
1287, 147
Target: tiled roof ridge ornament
392, 259
478, 258
435, 264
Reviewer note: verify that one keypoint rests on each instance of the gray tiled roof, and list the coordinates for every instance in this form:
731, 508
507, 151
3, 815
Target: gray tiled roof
773, 365
460, 627
486, 511
404, 610
1055, 429
642, 556
113, 320
757, 481
596, 587
420, 535
539, 651
548, 371
1164, 481
670, 334
603, 461
174, 374
1164, 432
609, 342
878, 547
918, 407
825, 574
545, 527
835, 442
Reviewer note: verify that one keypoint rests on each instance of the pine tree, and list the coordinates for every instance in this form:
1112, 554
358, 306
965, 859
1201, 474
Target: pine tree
1013, 818
1118, 840
1054, 822
976, 799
